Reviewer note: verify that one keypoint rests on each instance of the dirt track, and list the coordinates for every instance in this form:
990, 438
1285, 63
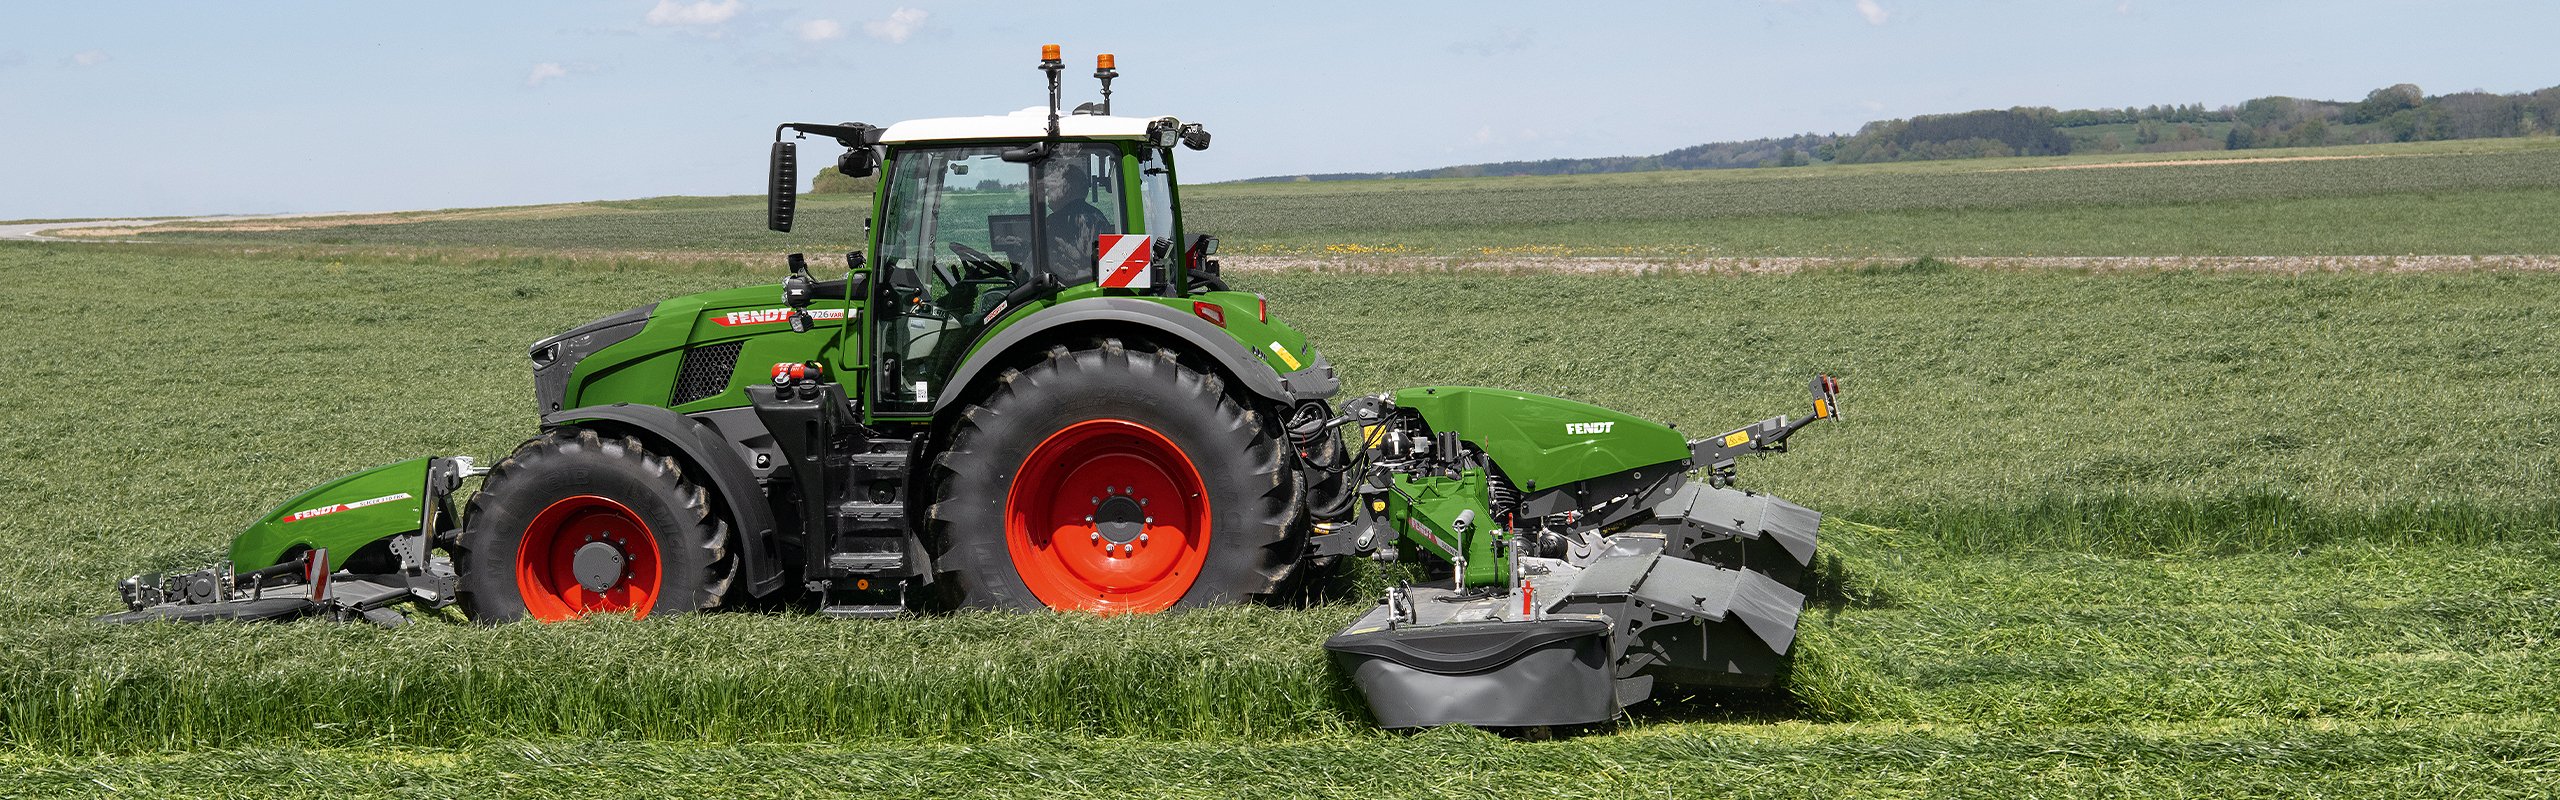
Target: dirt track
1783, 266
2192, 162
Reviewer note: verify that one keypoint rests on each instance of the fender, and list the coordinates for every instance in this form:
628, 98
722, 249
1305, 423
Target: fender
713, 456
1314, 382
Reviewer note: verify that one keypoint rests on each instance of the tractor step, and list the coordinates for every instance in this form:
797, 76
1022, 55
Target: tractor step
863, 612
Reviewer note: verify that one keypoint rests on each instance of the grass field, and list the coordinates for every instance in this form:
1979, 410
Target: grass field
2471, 197
2156, 534
2170, 518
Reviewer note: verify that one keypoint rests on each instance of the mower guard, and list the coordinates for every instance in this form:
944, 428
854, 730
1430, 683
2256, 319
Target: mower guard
350, 548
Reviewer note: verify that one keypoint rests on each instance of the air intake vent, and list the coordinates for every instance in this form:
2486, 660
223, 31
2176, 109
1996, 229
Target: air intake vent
706, 372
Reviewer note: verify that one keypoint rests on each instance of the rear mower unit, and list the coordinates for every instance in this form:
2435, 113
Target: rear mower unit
1033, 390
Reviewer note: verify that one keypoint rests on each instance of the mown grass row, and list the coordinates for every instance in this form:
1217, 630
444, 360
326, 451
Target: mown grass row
2494, 756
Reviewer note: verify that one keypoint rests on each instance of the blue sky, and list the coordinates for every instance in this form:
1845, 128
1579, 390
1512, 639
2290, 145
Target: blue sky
146, 108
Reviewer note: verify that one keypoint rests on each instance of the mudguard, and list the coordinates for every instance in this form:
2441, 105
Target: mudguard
713, 457
1315, 381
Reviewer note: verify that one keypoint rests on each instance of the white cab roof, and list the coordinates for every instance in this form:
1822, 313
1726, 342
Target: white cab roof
1028, 123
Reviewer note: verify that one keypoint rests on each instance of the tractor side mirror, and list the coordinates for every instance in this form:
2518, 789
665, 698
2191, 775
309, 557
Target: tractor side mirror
782, 187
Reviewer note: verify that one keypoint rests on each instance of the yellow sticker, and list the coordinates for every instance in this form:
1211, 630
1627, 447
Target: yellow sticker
1736, 438
1821, 410
1283, 353
1377, 505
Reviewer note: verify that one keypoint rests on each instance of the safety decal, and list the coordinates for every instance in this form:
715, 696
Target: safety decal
772, 315
1125, 258
322, 511
1425, 532
1283, 353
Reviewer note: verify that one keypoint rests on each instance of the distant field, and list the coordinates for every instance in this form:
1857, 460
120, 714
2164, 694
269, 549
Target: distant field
2472, 197
2168, 534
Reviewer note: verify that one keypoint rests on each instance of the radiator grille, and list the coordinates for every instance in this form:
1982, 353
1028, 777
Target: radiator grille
706, 372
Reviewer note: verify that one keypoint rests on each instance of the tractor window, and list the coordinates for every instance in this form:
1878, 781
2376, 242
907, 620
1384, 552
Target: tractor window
1155, 186
1081, 194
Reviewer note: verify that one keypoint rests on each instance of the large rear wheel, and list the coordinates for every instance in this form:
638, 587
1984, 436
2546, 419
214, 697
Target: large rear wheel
1113, 480
575, 523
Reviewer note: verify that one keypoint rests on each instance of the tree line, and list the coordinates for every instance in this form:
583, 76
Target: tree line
2398, 113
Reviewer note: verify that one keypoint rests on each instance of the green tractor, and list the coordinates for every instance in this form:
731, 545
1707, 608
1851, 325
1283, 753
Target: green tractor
1033, 390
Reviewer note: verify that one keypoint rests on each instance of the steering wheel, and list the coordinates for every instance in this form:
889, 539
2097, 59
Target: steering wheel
980, 266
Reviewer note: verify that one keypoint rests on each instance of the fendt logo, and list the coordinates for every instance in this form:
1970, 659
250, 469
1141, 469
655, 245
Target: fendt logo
333, 508
1583, 428
773, 315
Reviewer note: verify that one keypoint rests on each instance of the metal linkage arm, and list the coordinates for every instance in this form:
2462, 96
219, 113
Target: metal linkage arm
1716, 454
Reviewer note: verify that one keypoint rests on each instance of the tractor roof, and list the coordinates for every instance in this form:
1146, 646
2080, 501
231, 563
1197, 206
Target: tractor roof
1029, 123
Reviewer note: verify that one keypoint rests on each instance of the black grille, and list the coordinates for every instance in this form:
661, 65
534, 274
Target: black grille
706, 372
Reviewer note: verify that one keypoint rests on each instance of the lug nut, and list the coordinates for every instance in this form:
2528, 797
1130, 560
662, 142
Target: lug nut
1151, 520
1097, 501
1097, 536
1142, 537
1088, 517
1130, 547
1142, 501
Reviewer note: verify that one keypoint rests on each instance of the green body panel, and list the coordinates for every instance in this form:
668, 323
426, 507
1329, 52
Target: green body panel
341, 516
643, 368
1426, 510
1550, 440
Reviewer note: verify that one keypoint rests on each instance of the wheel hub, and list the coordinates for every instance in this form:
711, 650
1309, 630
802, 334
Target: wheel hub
1120, 519
598, 566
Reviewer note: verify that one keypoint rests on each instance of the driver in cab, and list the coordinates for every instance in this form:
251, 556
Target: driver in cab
1074, 226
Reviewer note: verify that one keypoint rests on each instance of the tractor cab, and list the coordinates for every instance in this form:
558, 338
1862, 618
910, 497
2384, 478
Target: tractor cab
978, 218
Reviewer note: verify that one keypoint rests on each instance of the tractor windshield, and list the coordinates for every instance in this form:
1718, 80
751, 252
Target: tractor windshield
960, 232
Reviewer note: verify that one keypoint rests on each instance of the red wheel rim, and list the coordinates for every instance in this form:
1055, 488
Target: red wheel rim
548, 568
1108, 516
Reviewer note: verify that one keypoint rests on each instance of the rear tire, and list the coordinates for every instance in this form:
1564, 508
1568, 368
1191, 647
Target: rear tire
575, 523
1113, 480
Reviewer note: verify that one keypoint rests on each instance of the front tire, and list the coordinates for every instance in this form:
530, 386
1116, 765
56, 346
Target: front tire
575, 523
1113, 480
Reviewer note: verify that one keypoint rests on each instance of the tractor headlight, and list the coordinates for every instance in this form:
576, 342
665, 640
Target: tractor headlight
1165, 132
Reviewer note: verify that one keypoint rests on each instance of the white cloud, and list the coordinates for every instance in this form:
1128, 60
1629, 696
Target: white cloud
91, 58
548, 70
901, 24
1871, 106
819, 30
545, 71
669, 12
1875, 14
